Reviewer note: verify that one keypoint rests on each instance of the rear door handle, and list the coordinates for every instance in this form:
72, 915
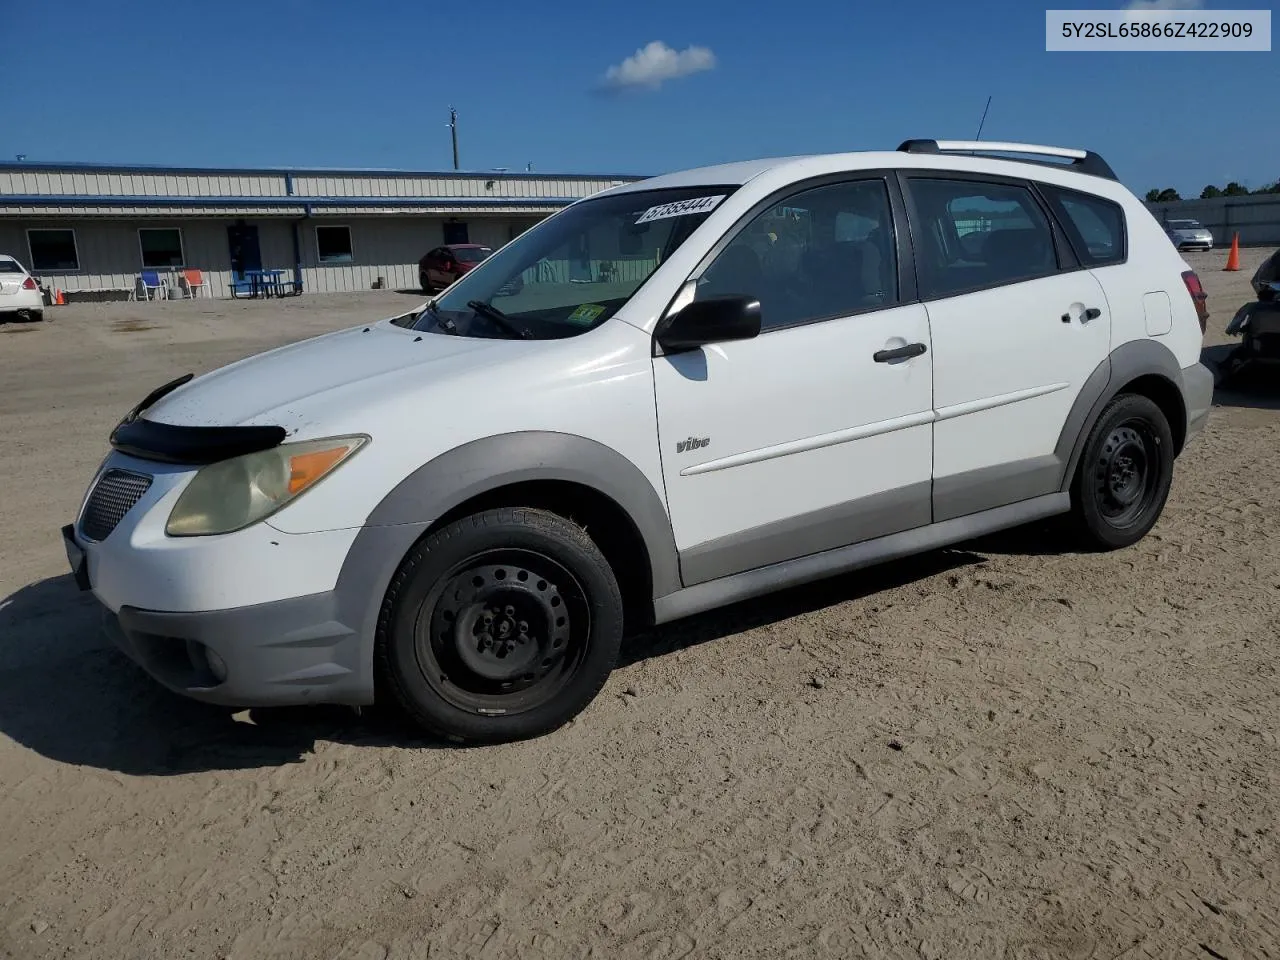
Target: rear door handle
899, 353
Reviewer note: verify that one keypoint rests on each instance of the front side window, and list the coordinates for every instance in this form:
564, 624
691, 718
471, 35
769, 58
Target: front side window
1095, 226
53, 250
333, 244
571, 273
161, 246
822, 253
974, 235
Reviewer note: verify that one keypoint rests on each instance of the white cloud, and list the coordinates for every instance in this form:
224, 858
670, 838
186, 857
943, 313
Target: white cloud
1140, 5
655, 63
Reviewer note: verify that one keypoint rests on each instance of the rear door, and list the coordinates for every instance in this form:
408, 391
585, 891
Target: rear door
1018, 325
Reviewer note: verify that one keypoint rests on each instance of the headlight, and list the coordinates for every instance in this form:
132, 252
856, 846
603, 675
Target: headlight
232, 494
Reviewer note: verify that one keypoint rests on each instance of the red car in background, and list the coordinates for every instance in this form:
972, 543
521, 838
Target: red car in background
443, 265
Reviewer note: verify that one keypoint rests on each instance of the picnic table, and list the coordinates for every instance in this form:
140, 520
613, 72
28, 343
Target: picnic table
264, 282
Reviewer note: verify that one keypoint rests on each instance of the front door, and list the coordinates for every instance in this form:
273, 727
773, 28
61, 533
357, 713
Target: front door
1017, 329
801, 440
242, 238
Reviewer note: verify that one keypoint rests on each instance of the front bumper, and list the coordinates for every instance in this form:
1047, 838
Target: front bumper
254, 618
290, 652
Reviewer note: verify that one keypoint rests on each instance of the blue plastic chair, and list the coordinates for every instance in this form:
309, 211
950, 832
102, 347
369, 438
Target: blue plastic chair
151, 283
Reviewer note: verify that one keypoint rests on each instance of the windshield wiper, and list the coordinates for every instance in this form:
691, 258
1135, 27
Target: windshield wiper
500, 318
444, 323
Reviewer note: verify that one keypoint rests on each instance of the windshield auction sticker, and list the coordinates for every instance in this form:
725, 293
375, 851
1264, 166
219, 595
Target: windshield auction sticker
681, 208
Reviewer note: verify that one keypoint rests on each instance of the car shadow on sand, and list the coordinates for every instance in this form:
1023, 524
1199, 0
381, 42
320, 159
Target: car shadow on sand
67, 693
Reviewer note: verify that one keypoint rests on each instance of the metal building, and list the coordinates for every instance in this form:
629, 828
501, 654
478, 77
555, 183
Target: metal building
94, 228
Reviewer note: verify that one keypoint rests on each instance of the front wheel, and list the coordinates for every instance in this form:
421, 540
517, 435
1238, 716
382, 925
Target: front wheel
500, 626
1122, 483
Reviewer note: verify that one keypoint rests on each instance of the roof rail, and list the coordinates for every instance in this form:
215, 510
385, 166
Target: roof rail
1082, 161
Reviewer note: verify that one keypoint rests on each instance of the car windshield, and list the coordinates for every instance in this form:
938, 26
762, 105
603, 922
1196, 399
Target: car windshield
1185, 224
471, 254
9, 266
574, 271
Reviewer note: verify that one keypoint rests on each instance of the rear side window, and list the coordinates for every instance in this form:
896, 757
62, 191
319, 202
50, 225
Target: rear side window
976, 235
1095, 226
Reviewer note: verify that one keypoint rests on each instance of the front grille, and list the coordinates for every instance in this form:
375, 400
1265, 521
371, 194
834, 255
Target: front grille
116, 492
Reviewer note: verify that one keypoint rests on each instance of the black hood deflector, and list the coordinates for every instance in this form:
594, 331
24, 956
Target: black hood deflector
194, 446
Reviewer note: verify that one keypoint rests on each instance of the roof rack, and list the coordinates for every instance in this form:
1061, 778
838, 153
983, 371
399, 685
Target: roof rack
1082, 161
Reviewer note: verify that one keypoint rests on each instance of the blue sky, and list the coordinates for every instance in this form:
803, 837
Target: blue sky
324, 83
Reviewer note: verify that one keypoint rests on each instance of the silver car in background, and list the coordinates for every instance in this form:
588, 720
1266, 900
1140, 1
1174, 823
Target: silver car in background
1189, 235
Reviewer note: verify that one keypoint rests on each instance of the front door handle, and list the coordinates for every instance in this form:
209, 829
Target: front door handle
1090, 313
899, 353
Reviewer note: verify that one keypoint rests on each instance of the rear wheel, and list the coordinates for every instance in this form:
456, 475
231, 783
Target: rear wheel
500, 626
424, 283
1122, 483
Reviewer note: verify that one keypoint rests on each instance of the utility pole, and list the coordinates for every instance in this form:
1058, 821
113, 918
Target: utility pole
453, 129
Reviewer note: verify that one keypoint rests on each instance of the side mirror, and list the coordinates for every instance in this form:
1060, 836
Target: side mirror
713, 320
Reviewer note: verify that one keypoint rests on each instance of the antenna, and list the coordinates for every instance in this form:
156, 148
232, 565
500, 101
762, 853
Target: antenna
983, 121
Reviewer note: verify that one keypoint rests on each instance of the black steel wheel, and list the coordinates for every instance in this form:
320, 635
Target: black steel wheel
500, 626
1124, 474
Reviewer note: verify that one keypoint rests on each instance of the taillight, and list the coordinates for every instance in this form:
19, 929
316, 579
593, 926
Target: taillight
29, 284
1198, 297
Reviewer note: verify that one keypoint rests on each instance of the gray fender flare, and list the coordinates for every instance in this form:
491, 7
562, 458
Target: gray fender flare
1137, 358
478, 467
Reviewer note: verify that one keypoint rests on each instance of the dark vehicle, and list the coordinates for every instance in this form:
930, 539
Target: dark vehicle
447, 263
1258, 326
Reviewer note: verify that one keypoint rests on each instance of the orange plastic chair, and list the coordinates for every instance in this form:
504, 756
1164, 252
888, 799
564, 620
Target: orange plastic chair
194, 280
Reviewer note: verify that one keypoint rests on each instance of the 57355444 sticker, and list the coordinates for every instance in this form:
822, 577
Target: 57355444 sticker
680, 208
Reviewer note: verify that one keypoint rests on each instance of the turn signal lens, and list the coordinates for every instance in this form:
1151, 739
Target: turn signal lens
306, 468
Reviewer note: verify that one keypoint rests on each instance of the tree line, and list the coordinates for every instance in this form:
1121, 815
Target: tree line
1232, 189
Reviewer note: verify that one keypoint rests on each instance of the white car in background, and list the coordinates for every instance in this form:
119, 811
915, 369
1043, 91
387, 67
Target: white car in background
1189, 235
19, 292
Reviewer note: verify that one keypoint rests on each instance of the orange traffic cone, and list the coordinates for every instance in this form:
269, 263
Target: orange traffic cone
1233, 258
58, 298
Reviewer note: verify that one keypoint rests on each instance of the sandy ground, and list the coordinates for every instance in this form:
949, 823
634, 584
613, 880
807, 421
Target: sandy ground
995, 751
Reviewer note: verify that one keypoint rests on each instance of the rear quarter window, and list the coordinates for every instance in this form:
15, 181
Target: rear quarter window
1095, 227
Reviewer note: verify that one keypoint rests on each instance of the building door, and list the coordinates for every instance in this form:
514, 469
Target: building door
242, 238
455, 231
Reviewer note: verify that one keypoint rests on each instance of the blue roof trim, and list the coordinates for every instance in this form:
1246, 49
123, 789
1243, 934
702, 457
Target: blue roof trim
291, 200
85, 167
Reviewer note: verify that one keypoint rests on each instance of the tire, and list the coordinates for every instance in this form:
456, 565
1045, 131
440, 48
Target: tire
500, 626
1122, 482
36, 316
424, 283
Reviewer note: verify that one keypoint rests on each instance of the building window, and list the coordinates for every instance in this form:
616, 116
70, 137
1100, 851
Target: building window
161, 247
53, 250
333, 244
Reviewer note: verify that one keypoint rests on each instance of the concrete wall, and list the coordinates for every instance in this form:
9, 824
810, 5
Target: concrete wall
1256, 218
382, 246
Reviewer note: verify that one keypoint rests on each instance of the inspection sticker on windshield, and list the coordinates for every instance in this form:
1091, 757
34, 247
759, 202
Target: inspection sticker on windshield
585, 314
681, 208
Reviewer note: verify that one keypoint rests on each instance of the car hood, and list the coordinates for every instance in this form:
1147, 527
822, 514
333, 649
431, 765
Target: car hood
290, 385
